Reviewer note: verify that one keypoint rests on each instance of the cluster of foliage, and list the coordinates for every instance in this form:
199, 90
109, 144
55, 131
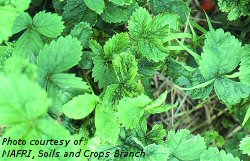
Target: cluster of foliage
235, 8
43, 75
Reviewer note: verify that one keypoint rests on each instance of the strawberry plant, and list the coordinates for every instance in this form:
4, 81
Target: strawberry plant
85, 70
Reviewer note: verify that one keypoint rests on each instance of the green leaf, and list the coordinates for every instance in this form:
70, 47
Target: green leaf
28, 51
22, 22
245, 66
117, 14
83, 32
48, 24
87, 60
62, 87
217, 58
95, 47
158, 102
130, 110
247, 116
19, 5
8, 16
9, 11
16, 65
149, 32
245, 145
185, 146
122, 2
174, 6
76, 11
59, 56
162, 108
154, 151
107, 126
148, 68
41, 129
21, 100
230, 91
188, 77
158, 106
213, 154
5, 53
81, 106
95, 5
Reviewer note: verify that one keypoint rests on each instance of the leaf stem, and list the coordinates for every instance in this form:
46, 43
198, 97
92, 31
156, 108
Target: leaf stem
234, 75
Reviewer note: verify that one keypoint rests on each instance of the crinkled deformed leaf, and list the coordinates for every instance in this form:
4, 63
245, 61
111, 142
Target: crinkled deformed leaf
235, 9
126, 67
174, 6
21, 100
117, 44
213, 154
148, 32
245, 66
217, 57
185, 146
48, 24
111, 96
117, 14
103, 70
245, 145
29, 45
106, 123
22, 22
83, 32
95, 5
76, 11
156, 134
230, 91
130, 110
81, 106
